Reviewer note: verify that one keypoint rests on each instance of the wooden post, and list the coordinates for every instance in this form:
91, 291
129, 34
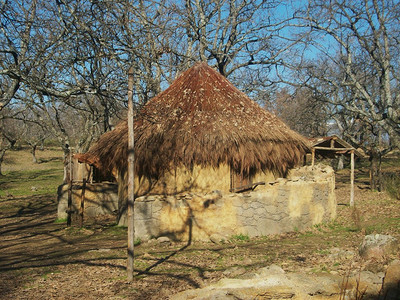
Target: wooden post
69, 180
82, 206
332, 143
312, 157
90, 178
131, 181
352, 178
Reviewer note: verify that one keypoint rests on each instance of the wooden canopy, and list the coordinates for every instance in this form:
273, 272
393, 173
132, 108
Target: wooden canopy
332, 146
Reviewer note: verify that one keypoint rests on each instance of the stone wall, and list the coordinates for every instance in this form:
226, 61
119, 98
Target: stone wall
100, 199
306, 198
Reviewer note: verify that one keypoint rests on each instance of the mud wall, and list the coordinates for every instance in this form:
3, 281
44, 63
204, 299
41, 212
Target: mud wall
304, 199
181, 180
99, 199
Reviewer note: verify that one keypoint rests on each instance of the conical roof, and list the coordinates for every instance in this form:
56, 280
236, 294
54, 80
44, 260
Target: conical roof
201, 119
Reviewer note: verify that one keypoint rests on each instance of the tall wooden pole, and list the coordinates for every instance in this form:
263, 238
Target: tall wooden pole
352, 178
69, 180
131, 181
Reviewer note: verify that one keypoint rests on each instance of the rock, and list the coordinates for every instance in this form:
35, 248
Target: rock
340, 254
365, 282
163, 240
273, 287
375, 266
377, 246
391, 282
217, 238
270, 270
274, 283
151, 242
234, 271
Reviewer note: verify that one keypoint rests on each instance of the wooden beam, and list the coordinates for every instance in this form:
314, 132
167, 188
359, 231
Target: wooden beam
131, 181
333, 149
352, 178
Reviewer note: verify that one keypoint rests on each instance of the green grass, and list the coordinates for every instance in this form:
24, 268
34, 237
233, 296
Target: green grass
60, 221
377, 226
116, 230
392, 185
30, 182
240, 238
22, 177
26, 183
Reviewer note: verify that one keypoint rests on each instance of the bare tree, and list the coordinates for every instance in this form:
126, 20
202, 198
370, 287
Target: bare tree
356, 70
302, 111
33, 133
9, 134
33, 36
232, 34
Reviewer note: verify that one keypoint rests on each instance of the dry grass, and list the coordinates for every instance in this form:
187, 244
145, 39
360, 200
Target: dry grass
44, 259
17, 160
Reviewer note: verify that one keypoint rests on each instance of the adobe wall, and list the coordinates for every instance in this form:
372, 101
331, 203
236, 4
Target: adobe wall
100, 199
199, 179
306, 198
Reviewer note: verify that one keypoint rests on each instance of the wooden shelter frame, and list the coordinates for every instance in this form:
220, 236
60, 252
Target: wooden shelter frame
334, 144
71, 180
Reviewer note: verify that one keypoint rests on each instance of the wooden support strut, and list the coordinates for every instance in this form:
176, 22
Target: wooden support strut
312, 157
131, 181
352, 178
82, 204
69, 179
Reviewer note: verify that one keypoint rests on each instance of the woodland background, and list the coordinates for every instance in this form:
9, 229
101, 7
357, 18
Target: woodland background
324, 67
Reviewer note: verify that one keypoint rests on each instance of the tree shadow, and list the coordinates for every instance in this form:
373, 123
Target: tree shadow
189, 223
51, 159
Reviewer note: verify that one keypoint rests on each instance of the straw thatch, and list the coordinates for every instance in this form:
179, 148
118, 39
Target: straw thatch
201, 119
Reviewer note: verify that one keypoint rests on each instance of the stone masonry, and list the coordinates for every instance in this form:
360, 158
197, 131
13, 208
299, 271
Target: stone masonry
302, 200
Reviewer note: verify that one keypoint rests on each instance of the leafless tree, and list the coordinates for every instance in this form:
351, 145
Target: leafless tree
9, 134
302, 111
350, 60
233, 35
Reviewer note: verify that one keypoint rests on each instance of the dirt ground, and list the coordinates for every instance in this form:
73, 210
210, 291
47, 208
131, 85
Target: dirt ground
43, 259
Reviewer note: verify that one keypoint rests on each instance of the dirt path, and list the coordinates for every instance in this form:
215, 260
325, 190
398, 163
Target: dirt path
43, 259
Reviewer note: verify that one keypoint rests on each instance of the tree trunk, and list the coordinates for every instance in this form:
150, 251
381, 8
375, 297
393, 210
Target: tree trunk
42, 145
67, 166
340, 162
375, 173
2, 153
33, 152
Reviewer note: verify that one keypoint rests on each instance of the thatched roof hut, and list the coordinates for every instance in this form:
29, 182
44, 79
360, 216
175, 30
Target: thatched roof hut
203, 120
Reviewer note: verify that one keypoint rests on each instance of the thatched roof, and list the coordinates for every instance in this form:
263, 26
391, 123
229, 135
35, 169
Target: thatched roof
201, 119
